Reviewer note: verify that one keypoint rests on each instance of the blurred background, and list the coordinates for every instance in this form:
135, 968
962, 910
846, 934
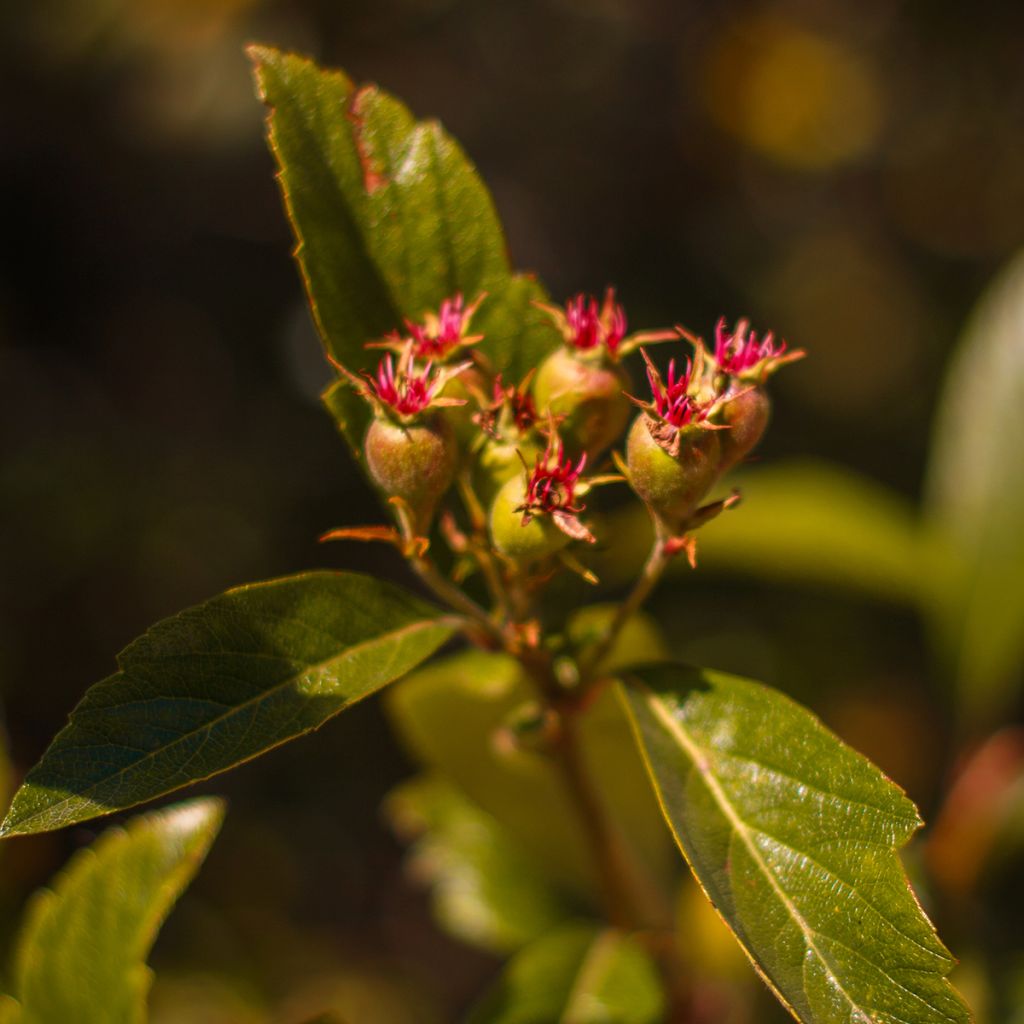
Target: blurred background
847, 172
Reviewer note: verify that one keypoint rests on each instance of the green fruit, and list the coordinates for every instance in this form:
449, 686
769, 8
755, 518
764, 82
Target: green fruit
522, 543
499, 461
672, 485
588, 394
747, 417
415, 462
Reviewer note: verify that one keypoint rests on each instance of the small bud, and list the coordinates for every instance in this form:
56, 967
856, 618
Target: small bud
414, 462
535, 515
582, 383
528, 727
411, 451
673, 452
440, 338
507, 437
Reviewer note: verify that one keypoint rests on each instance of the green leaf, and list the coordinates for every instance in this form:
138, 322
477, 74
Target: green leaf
389, 214
82, 947
976, 499
517, 335
222, 682
578, 974
803, 522
452, 716
793, 837
350, 411
486, 890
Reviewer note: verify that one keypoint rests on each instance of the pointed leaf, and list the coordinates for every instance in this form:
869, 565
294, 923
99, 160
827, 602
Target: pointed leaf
389, 214
222, 682
578, 974
487, 890
793, 837
976, 499
82, 948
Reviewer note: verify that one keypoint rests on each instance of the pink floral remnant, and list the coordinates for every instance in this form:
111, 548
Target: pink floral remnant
409, 391
672, 400
740, 350
520, 403
590, 326
551, 490
441, 334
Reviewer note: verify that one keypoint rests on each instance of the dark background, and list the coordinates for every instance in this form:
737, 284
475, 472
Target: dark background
849, 173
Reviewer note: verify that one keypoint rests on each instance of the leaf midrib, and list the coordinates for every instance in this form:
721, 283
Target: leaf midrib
741, 829
54, 808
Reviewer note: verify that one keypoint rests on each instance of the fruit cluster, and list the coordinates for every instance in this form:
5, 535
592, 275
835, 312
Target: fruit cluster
525, 455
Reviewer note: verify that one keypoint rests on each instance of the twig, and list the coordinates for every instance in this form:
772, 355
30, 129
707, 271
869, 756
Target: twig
657, 561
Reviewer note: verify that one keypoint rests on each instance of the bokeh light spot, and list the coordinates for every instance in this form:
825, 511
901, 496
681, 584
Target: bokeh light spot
805, 100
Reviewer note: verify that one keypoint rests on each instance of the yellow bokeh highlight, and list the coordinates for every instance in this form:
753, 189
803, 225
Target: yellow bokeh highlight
805, 100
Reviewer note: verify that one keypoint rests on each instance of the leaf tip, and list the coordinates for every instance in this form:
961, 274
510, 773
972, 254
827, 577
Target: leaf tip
260, 53
205, 813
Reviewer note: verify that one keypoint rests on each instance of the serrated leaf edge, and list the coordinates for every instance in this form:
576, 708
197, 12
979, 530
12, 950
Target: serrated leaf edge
16, 827
721, 798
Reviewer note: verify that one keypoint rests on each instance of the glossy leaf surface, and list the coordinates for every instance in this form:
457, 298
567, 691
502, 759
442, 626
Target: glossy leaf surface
793, 836
222, 682
578, 974
976, 499
390, 216
82, 948
486, 890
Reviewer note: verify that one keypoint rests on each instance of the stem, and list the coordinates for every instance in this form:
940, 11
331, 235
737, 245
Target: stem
607, 852
632, 901
455, 598
481, 547
654, 567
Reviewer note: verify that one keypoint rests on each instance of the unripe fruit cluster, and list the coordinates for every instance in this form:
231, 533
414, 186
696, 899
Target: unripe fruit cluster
522, 451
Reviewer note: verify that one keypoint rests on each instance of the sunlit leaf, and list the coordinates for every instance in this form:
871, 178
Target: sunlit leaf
578, 974
222, 682
976, 499
82, 948
793, 837
390, 216
487, 891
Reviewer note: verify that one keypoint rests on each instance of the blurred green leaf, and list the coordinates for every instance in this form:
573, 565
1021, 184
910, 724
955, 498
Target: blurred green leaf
638, 642
222, 682
487, 891
793, 836
390, 216
81, 951
976, 499
578, 974
801, 522
452, 716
